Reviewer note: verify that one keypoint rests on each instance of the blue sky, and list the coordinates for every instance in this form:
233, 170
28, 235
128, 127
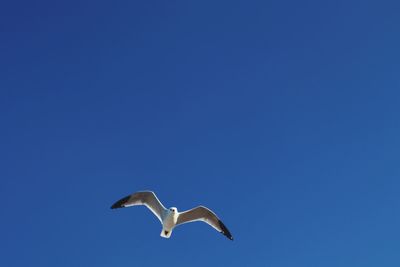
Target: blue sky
281, 116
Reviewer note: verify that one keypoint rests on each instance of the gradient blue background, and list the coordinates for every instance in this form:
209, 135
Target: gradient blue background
282, 116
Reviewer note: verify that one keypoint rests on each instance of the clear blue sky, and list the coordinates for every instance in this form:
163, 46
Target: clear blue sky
281, 116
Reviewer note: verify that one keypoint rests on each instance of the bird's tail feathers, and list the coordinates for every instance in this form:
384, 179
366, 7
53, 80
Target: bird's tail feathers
166, 233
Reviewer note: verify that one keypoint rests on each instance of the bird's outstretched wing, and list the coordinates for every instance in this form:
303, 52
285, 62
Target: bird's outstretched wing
204, 214
147, 198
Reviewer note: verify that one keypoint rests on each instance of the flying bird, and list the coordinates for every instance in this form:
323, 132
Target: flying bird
170, 218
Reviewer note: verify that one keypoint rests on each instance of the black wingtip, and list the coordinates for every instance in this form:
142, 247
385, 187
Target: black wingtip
120, 203
225, 231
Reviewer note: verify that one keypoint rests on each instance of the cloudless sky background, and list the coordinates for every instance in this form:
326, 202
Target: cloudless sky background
281, 116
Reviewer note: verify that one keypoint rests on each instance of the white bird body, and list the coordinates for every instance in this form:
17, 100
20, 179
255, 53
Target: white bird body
170, 218
169, 222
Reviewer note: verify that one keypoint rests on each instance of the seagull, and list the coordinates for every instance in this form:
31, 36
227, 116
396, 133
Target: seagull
170, 218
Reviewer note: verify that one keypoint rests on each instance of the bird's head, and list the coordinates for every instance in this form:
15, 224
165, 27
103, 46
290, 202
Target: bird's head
173, 209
